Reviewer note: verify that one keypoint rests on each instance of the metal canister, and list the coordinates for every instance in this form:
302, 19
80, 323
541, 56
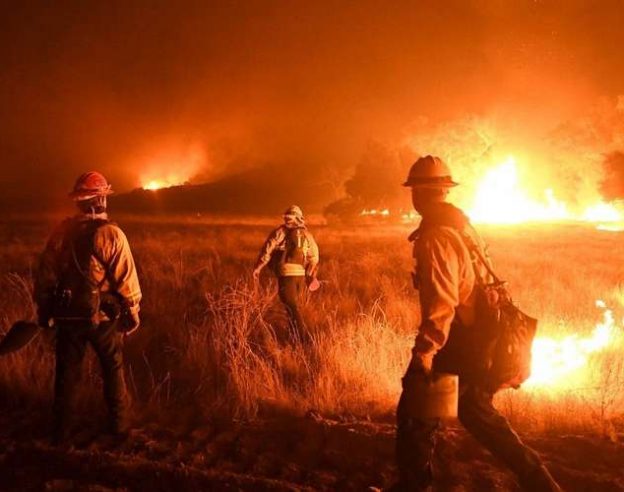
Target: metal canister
434, 397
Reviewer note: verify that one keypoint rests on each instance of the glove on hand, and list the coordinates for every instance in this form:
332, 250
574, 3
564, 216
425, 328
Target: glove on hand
421, 364
129, 321
43, 318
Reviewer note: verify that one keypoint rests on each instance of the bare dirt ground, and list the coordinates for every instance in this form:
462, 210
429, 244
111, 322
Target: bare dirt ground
280, 454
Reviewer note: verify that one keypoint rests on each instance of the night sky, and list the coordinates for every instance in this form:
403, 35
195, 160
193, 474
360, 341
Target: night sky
215, 88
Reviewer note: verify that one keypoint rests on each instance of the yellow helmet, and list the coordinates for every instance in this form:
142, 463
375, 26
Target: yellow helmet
431, 172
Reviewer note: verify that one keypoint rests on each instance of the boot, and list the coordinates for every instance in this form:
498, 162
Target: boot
539, 480
118, 425
60, 434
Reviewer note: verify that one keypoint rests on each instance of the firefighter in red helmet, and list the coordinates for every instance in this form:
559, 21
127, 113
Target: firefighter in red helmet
87, 290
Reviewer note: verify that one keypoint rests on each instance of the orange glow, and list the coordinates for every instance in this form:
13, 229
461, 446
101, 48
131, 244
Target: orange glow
611, 227
157, 184
563, 363
500, 199
171, 165
374, 212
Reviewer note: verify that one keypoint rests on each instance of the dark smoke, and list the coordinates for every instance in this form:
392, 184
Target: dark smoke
301, 87
375, 183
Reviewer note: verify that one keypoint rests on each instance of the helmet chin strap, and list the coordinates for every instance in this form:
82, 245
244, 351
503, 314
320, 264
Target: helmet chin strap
93, 207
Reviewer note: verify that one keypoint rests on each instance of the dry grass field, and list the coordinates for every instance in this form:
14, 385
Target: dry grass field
212, 346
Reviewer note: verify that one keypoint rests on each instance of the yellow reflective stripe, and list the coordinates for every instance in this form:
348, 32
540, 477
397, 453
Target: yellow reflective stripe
292, 270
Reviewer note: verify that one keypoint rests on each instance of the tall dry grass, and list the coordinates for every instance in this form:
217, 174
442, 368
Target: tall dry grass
213, 344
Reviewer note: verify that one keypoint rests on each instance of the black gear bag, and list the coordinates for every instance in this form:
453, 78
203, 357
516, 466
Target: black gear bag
508, 333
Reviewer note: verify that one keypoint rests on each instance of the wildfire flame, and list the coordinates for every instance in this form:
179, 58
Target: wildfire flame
158, 184
501, 200
374, 212
172, 165
560, 363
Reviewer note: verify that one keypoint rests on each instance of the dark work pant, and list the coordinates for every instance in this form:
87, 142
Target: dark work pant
416, 438
71, 343
291, 292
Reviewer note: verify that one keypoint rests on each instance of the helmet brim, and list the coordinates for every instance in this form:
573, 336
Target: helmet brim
88, 194
430, 184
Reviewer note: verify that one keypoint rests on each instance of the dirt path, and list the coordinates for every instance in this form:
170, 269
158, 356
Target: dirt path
284, 454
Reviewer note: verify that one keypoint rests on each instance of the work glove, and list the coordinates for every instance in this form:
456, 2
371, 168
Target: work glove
421, 364
43, 318
129, 321
313, 284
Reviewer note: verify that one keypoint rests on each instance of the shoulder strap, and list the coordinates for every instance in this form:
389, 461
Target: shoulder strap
471, 245
92, 231
478, 255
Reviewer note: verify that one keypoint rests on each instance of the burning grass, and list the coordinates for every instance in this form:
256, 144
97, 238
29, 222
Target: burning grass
213, 345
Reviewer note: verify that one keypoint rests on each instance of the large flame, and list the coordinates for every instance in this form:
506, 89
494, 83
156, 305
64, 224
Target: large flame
500, 199
157, 184
563, 363
171, 165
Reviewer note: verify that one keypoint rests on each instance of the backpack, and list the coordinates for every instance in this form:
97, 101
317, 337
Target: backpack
77, 296
294, 246
508, 332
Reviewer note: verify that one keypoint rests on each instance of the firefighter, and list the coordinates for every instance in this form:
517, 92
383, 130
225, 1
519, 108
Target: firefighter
293, 256
87, 290
445, 278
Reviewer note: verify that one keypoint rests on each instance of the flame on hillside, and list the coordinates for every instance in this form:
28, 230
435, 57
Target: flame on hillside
172, 165
157, 184
564, 363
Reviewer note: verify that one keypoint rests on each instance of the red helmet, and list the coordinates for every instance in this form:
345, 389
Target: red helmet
90, 185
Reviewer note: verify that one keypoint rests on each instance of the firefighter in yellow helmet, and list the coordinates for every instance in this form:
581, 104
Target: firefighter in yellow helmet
445, 277
87, 290
294, 256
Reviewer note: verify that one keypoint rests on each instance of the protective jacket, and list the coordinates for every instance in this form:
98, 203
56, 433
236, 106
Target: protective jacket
276, 244
451, 333
445, 275
110, 266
